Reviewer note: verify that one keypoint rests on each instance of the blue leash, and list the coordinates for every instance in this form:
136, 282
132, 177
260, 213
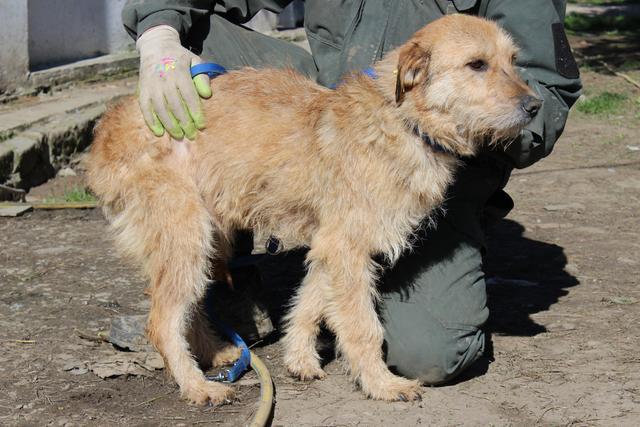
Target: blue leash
242, 364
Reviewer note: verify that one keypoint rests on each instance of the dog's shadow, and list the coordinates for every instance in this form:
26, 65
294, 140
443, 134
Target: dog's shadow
524, 276
263, 287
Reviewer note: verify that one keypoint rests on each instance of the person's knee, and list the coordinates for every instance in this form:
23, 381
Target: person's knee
433, 315
439, 360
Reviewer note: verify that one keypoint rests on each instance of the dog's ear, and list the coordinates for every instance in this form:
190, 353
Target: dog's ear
413, 62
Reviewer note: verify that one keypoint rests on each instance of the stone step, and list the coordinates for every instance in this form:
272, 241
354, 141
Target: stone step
93, 69
21, 115
39, 135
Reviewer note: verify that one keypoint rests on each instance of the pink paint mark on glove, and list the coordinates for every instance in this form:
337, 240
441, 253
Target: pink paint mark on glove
166, 64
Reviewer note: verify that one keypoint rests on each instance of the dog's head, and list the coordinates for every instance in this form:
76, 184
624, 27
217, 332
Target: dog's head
456, 78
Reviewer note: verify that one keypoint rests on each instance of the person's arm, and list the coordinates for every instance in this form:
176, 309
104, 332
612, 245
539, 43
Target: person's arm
140, 15
546, 64
168, 97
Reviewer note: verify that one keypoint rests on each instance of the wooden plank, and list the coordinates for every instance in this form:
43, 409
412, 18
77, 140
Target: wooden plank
14, 210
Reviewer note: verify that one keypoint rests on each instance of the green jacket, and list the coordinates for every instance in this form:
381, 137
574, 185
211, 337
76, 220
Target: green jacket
347, 35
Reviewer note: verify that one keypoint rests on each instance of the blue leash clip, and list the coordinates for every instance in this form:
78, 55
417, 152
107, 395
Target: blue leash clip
241, 365
209, 68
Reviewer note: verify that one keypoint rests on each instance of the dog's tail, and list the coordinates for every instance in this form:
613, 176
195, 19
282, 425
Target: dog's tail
157, 213
115, 153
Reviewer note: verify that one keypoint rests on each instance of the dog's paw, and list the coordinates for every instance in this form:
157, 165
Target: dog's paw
305, 370
393, 389
208, 392
225, 356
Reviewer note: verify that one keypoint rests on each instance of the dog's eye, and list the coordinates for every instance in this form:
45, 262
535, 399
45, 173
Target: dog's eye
513, 59
478, 65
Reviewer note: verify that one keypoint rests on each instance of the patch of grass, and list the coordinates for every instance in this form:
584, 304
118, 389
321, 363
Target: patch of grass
76, 194
605, 103
577, 23
602, 2
616, 139
632, 64
7, 135
586, 66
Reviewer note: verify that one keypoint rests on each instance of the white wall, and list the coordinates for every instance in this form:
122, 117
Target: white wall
63, 31
39, 34
14, 57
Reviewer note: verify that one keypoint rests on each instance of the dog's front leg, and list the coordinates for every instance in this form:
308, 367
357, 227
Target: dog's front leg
303, 324
350, 313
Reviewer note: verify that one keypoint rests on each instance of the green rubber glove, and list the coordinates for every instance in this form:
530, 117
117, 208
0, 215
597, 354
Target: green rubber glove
168, 97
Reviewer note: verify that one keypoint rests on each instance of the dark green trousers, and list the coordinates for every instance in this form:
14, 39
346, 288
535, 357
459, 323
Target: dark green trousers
434, 298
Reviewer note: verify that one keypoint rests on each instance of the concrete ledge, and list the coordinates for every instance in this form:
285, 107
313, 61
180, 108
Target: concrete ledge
6, 161
42, 135
68, 135
86, 70
34, 156
20, 116
31, 162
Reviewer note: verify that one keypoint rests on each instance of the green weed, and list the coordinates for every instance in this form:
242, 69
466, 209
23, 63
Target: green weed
597, 23
76, 194
605, 103
7, 135
616, 139
602, 2
630, 65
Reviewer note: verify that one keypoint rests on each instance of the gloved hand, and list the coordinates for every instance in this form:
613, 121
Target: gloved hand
168, 97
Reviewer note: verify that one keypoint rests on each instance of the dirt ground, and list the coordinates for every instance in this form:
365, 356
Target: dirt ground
563, 293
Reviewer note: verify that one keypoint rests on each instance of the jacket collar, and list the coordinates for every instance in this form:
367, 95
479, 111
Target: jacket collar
453, 6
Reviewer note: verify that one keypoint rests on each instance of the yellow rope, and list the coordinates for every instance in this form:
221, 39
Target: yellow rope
65, 205
262, 415
61, 205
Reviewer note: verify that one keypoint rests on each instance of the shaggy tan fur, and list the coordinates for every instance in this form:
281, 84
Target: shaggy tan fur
342, 171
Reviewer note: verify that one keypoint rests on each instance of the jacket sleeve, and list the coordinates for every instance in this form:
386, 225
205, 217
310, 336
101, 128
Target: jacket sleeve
547, 65
140, 15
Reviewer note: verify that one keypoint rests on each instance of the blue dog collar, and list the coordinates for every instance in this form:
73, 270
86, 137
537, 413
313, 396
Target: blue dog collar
370, 72
430, 141
208, 68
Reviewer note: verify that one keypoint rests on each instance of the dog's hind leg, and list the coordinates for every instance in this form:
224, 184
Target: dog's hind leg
303, 325
351, 315
208, 348
165, 224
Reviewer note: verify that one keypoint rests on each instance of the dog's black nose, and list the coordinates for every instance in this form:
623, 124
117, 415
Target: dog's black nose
531, 105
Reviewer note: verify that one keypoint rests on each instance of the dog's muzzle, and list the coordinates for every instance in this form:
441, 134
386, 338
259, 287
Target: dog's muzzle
530, 105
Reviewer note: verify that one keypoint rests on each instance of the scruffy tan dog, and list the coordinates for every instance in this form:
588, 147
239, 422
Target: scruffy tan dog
348, 172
